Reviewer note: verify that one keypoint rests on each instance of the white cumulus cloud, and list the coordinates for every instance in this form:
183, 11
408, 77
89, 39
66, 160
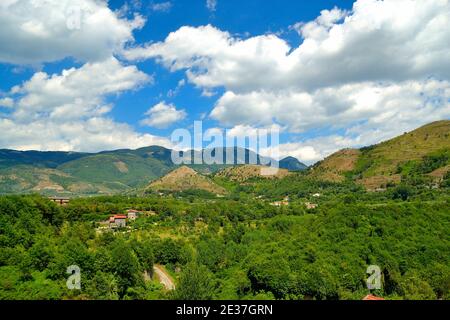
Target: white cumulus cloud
390, 40
360, 76
34, 32
6, 102
75, 93
163, 115
69, 111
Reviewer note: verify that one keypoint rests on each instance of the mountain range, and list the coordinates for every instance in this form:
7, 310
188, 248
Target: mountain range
419, 156
107, 172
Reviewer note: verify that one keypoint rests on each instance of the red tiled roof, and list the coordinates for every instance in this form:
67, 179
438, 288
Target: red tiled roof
372, 297
119, 216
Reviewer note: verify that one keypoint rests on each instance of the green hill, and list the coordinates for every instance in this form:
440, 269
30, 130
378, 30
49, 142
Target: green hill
27, 179
107, 172
126, 168
184, 179
70, 173
422, 155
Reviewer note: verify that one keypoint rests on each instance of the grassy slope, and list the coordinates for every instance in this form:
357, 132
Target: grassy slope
185, 178
245, 172
23, 178
376, 165
125, 168
104, 173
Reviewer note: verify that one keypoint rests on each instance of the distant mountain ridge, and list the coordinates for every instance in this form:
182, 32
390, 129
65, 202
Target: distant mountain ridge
292, 164
106, 172
420, 155
48, 159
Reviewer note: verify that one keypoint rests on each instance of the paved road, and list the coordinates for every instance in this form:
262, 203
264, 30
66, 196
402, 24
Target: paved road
164, 277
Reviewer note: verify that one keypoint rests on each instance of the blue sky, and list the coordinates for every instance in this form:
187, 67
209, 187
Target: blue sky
329, 74
243, 18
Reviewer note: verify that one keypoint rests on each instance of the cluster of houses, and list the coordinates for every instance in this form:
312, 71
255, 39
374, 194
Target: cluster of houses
120, 220
60, 201
285, 202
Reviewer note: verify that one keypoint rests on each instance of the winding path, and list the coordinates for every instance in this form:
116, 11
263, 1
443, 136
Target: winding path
164, 278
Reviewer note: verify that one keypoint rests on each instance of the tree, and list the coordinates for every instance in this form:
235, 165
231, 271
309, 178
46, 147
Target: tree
41, 254
210, 253
446, 180
414, 288
104, 287
167, 251
125, 266
402, 192
146, 257
271, 274
196, 283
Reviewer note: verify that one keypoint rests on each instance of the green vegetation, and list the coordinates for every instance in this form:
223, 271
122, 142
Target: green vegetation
231, 235
236, 247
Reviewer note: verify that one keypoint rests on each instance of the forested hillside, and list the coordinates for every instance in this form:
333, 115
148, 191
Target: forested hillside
234, 234
237, 247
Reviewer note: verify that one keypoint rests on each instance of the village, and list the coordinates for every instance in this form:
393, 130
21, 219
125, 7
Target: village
286, 201
122, 221
115, 221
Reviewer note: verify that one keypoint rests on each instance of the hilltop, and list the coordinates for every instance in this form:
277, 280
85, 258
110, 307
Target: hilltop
292, 164
420, 154
183, 179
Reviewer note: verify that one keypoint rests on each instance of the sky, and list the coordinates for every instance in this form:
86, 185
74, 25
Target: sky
93, 75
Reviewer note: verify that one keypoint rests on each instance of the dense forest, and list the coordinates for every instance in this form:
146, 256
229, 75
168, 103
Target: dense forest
240, 246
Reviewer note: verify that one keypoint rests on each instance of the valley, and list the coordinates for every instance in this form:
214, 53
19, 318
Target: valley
213, 232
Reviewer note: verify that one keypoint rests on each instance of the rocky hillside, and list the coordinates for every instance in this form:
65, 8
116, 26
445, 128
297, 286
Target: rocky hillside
185, 178
420, 154
247, 172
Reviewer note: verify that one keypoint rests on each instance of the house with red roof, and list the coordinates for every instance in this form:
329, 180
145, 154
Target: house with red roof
118, 221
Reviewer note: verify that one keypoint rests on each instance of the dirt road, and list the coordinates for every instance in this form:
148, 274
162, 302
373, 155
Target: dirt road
164, 278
